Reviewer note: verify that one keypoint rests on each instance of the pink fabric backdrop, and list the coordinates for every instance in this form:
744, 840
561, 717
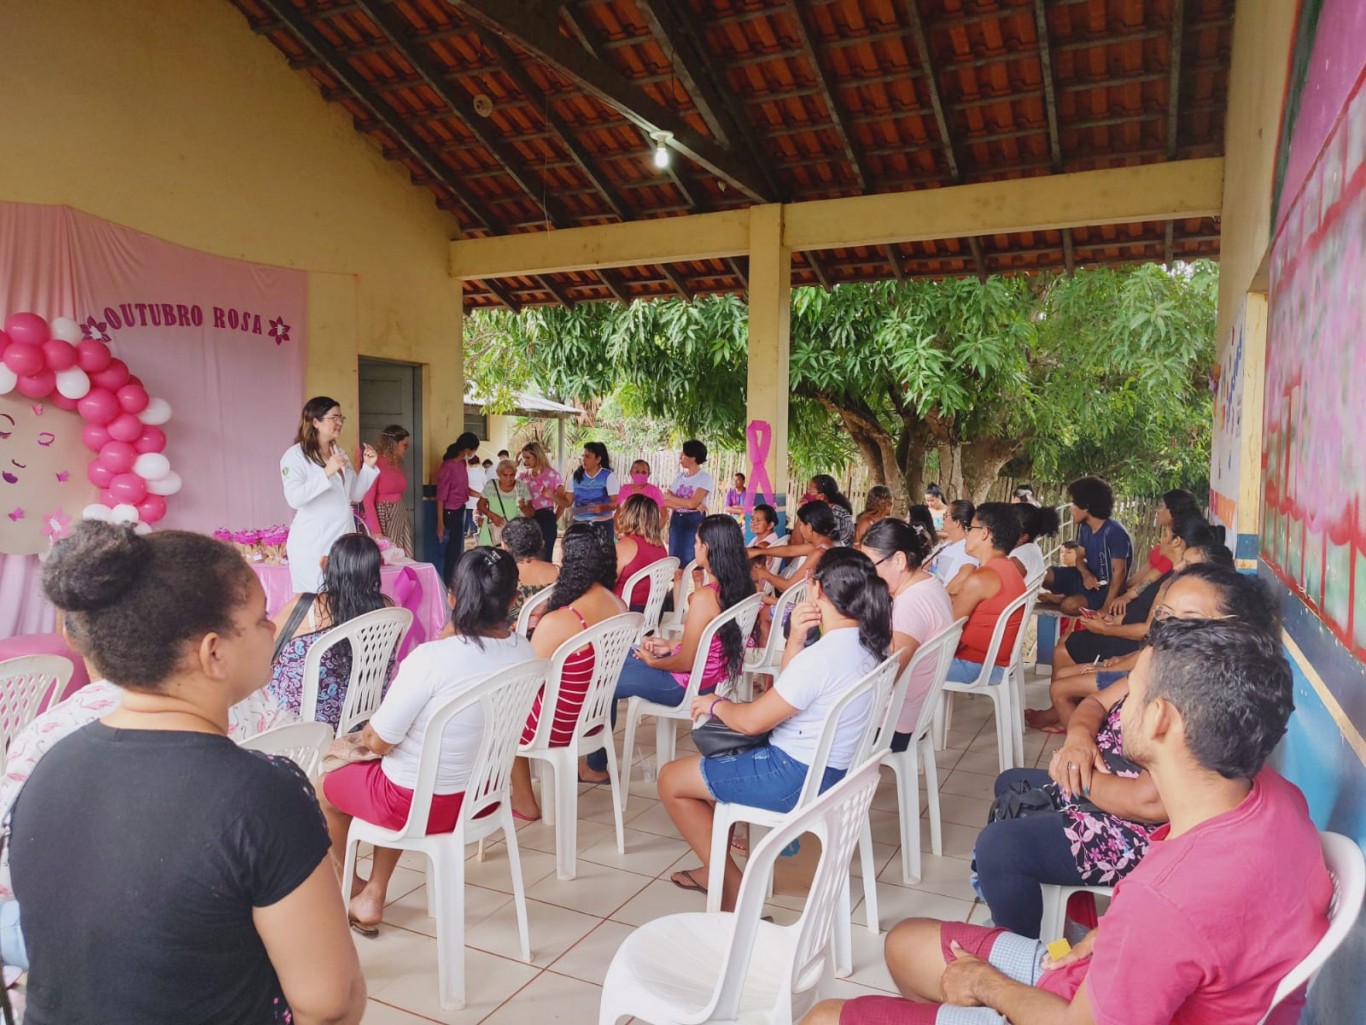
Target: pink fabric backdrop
221, 340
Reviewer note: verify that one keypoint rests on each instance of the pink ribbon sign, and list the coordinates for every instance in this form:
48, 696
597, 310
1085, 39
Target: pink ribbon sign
759, 435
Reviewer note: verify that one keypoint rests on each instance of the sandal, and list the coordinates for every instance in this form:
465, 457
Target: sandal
692, 884
363, 928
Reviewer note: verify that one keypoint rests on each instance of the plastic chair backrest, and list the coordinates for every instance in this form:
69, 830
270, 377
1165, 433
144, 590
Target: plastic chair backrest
836, 818
530, 606
1023, 605
611, 641
24, 684
661, 576
786, 600
876, 738
1347, 866
874, 688
305, 743
1035, 580
940, 648
794, 567
373, 637
505, 699
743, 614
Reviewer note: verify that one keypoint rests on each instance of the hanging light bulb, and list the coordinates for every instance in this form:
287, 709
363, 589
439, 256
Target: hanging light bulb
662, 155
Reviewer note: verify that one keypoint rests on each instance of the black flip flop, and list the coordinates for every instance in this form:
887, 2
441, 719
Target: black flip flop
692, 885
368, 931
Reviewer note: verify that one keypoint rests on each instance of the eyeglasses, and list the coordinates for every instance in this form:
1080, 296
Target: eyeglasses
336, 418
976, 526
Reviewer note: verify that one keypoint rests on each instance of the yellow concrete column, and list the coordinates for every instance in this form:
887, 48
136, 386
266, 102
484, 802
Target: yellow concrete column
330, 360
443, 399
770, 321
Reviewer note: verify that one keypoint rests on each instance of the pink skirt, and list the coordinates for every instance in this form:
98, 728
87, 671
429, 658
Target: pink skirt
363, 791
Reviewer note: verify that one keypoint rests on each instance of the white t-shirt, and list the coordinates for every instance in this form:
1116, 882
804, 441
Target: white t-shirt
1031, 557
953, 558
478, 478
812, 683
684, 486
432, 674
920, 611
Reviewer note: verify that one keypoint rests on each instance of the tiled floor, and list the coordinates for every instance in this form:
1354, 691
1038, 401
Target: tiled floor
577, 926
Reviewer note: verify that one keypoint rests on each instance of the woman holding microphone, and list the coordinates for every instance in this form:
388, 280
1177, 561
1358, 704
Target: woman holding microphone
320, 485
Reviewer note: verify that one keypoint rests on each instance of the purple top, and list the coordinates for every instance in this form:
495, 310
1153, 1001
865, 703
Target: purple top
453, 484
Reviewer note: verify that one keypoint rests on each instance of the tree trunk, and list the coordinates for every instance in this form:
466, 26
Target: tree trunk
912, 447
951, 470
981, 464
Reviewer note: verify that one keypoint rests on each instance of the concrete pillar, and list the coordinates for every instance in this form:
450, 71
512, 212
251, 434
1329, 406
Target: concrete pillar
1236, 449
770, 321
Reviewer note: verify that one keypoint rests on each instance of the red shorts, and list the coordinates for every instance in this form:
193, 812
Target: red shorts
363, 791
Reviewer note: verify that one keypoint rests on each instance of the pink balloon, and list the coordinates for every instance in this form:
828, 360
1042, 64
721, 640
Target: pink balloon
152, 439
125, 427
151, 508
61, 401
107, 498
23, 359
99, 406
39, 385
99, 474
60, 355
133, 398
4, 342
92, 356
94, 436
27, 329
112, 377
118, 456
128, 487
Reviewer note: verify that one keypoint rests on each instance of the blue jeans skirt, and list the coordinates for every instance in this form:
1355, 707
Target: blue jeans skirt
683, 535
762, 777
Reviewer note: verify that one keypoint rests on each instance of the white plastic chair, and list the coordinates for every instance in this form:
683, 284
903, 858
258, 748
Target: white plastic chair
1347, 866
29, 684
305, 743
692, 969
794, 567
906, 765
768, 661
611, 640
529, 607
743, 614
672, 624
874, 689
1055, 898
374, 637
1009, 716
661, 576
504, 700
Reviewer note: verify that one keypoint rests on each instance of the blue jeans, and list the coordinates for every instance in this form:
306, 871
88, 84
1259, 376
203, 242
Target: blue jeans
639, 680
1015, 856
683, 535
12, 947
963, 671
762, 777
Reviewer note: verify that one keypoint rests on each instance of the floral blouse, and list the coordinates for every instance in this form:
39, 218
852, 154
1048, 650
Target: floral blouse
535, 483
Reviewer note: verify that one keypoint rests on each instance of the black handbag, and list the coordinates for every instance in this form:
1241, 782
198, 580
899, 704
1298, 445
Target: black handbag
714, 739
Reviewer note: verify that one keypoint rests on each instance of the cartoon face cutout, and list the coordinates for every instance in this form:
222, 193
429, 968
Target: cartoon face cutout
43, 485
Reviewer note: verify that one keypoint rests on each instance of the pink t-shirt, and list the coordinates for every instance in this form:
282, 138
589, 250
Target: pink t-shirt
920, 611
648, 490
537, 483
1206, 926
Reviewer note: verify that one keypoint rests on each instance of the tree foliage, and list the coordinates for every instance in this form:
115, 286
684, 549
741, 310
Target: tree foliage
1104, 371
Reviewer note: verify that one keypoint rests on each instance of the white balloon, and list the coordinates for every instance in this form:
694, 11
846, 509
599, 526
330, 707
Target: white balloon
123, 513
141, 528
167, 485
152, 466
66, 329
96, 512
73, 383
158, 411
8, 380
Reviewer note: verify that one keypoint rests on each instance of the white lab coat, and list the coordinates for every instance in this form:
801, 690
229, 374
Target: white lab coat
323, 512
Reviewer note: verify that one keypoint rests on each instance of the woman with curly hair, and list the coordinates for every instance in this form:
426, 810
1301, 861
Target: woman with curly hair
879, 508
659, 671
824, 488
850, 604
385, 513
582, 598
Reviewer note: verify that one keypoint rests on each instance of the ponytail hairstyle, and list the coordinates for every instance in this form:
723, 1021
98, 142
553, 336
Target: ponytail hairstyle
819, 518
892, 535
307, 435
729, 564
467, 442
827, 487
849, 581
386, 445
919, 515
485, 584
587, 561
136, 605
879, 500
598, 449
351, 578
1037, 521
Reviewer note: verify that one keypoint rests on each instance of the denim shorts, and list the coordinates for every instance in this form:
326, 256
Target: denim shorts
1106, 677
1067, 582
763, 777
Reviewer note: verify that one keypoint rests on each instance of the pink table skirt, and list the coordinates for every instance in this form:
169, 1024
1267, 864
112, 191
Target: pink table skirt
47, 644
416, 586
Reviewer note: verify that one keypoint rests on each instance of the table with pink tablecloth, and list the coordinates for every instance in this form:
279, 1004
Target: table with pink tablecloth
415, 586
47, 644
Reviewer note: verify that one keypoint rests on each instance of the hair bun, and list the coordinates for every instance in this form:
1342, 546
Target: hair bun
94, 567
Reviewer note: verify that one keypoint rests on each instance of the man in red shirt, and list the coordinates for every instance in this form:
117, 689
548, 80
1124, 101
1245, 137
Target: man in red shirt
1231, 895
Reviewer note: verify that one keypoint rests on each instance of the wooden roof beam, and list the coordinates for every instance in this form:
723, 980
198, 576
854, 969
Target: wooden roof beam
337, 66
814, 263
979, 260
828, 97
908, 12
525, 24
1174, 79
894, 259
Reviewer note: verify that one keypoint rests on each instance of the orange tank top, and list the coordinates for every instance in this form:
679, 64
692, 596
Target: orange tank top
982, 621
